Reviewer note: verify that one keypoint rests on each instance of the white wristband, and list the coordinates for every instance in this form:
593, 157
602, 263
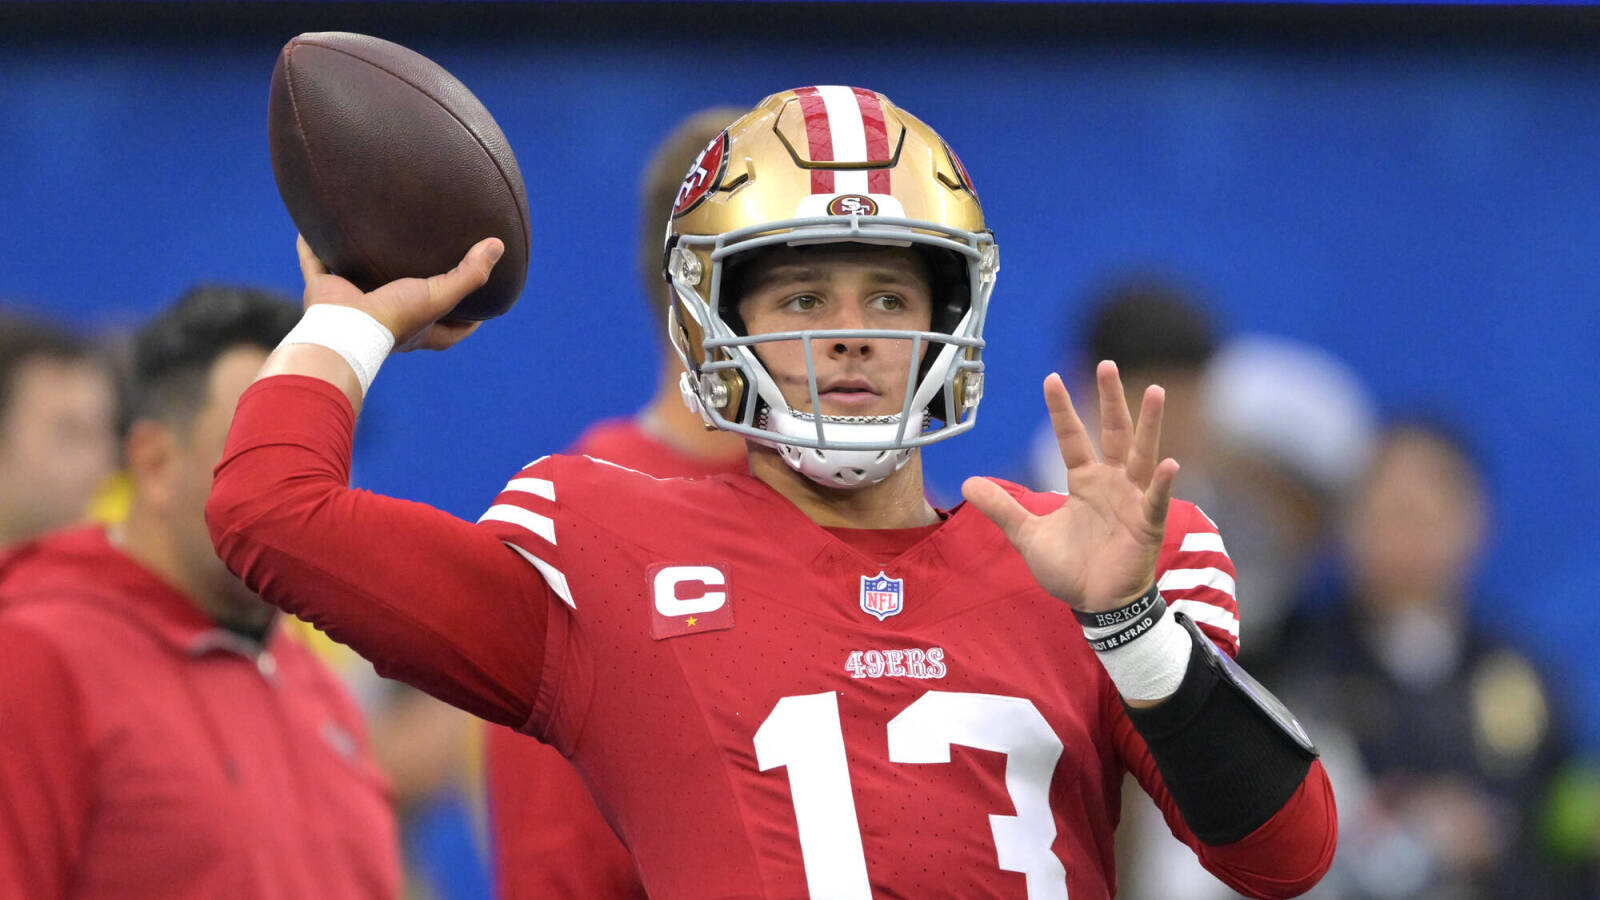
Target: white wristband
360, 339
1151, 666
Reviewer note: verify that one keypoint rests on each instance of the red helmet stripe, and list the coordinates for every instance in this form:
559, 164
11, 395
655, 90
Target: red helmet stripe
877, 137
819, 134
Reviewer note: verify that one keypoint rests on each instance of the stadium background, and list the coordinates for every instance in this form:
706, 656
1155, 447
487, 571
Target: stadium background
1414, 189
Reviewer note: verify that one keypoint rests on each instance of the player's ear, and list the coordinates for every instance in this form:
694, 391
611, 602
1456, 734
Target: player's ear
151, 450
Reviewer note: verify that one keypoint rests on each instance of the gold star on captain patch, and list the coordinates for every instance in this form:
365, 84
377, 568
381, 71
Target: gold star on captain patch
690, 622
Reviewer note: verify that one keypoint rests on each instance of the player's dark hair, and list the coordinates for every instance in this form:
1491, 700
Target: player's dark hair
1148, 322
25, 339
173, 355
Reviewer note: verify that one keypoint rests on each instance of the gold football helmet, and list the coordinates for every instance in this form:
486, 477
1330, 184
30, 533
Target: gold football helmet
824, 165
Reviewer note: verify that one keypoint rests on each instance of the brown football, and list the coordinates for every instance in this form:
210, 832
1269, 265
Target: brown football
391, 168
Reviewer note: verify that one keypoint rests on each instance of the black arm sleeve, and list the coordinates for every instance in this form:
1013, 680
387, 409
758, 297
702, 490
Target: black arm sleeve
1230, 754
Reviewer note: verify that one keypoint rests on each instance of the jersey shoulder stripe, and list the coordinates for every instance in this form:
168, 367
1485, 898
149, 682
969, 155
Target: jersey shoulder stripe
523, 516
533, 512
1196, 575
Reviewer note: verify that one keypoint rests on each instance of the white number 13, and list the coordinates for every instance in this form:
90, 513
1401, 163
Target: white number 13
803, 734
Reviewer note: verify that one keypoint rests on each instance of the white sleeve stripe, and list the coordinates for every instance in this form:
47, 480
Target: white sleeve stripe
543, 526
1185, 579
1206, 614
552, 575
542, 487
1197, 541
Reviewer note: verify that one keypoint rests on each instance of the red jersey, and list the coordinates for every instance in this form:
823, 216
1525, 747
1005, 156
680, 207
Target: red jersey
759, 708
144, 752
549, 839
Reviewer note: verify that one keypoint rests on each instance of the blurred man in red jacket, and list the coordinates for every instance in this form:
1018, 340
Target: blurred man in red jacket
158, 736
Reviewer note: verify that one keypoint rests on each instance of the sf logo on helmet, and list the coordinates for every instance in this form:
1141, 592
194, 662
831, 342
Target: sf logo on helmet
852, 205
704, 175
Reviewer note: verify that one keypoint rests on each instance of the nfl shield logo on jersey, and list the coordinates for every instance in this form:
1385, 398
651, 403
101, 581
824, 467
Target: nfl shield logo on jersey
881, 595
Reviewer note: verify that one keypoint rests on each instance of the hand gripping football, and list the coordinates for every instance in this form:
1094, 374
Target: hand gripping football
391, 168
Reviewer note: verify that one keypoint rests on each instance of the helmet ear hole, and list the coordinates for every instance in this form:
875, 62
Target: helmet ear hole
735, 272
952, 292
951, 277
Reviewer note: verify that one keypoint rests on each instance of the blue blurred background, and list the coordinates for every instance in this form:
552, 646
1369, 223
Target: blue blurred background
1415, 191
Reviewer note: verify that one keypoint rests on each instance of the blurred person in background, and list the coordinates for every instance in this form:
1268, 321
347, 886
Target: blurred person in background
58, 421
548, 836
58, 445
1158, 331
1442, 739
1455, 733
159, 735
1293, 427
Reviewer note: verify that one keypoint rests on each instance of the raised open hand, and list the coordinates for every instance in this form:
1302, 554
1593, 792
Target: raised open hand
1098, 550
409, 307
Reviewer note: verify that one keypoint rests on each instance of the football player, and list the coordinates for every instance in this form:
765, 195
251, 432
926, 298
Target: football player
805, 681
